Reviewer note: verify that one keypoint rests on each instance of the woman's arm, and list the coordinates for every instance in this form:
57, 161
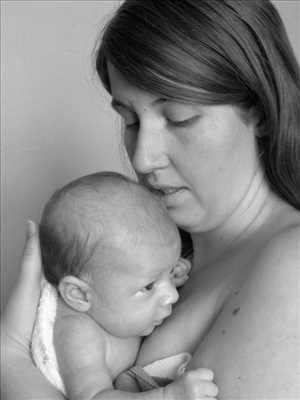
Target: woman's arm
19, 377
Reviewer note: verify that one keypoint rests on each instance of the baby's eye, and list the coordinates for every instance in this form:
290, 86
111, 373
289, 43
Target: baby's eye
149, 287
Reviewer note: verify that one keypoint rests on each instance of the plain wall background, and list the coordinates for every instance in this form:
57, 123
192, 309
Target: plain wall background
56, 123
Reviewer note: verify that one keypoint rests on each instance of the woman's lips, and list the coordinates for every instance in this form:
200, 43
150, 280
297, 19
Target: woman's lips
167, 190
173, 195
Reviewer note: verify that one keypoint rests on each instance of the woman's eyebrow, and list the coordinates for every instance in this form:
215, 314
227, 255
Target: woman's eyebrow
117, 103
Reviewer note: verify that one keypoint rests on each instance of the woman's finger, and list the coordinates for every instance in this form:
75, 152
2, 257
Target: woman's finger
31, 267
19, 314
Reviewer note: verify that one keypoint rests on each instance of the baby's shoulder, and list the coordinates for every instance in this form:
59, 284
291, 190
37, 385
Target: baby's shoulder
76, 323
78, 331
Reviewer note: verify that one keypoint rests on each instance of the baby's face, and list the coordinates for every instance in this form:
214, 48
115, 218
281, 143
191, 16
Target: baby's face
136, 291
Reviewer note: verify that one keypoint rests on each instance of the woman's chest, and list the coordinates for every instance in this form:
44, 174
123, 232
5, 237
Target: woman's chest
201, 301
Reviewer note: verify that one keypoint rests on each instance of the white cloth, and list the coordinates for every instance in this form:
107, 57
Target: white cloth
42, 347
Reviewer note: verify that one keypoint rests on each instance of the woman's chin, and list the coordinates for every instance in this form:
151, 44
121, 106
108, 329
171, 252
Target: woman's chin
187, 219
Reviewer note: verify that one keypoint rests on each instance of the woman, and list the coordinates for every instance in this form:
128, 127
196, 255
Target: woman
210, 98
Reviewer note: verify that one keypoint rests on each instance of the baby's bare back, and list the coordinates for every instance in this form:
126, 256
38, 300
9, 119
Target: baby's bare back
89, 358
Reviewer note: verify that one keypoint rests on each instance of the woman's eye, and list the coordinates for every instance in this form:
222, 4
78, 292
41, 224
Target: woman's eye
129, 118
183, 122
131, 125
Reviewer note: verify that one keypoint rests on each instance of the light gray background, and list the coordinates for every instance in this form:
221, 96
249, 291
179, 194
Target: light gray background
56, 123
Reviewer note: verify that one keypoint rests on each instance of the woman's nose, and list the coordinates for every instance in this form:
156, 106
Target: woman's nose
170, 294
149, 153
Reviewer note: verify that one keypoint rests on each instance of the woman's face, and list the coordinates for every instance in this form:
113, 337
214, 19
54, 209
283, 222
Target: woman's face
202, 158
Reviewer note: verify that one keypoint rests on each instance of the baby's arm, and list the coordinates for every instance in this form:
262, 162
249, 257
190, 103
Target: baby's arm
80, 350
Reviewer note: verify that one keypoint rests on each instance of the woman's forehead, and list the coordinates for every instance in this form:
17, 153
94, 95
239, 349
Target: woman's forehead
123, 92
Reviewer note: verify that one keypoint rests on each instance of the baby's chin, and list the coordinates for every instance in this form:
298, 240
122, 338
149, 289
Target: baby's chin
149, 330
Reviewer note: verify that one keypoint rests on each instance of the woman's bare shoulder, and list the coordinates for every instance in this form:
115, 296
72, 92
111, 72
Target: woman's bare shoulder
275, 276
254, 344
280, 256
271, 311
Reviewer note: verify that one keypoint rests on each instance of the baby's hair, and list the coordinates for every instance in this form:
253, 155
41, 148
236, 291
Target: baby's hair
75, 221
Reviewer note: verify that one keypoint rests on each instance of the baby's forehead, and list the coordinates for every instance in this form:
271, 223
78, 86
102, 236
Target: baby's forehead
134, 254
126, 204
133, 231
115, 209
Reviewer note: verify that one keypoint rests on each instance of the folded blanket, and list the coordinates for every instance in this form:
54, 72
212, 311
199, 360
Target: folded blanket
42, 348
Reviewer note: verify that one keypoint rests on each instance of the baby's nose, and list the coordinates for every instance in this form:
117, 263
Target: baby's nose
170, 295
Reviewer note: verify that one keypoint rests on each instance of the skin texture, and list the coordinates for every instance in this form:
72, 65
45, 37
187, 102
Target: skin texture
135, 292
214, 145
131, 290
238, 313
128, 250
246, 240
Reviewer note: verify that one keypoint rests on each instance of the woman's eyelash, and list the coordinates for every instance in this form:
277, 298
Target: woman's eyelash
132, 124
184, 122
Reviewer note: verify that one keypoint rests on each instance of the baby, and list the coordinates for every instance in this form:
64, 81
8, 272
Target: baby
112, 257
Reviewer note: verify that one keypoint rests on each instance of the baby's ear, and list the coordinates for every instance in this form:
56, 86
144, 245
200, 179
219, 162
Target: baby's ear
76, 293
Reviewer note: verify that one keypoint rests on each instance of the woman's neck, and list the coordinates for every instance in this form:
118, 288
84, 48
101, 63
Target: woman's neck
251, 213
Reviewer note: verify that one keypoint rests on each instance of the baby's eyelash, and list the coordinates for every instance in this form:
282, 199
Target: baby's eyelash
149, 286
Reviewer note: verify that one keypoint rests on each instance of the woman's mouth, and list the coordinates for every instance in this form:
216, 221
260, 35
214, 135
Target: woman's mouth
170, 191
172, 197
167, 190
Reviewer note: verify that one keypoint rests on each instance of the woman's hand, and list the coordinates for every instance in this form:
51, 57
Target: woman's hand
20, 379
19, 314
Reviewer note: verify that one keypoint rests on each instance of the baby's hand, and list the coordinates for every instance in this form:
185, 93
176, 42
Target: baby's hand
181, 271
192, 385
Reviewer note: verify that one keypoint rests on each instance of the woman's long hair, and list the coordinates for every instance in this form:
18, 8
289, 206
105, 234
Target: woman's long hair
216, 52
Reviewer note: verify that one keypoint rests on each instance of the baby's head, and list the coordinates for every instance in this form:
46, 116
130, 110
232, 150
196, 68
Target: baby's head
109, 246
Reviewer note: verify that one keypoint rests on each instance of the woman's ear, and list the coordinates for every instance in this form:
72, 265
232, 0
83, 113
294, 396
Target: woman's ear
257, 121
76, 293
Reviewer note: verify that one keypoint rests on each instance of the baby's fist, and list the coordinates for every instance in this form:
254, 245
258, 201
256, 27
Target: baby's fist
192, 385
